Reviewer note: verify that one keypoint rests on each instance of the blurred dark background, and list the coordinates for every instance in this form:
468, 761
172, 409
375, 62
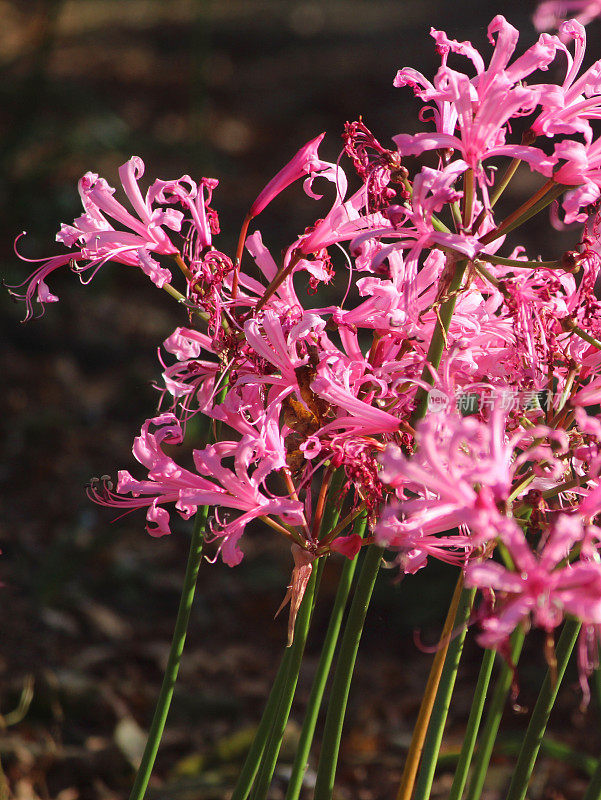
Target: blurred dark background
229, 90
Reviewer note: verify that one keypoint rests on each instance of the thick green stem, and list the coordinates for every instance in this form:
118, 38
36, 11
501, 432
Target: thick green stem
542, 711
343, 674
280, 719
443, 698
177, 643
323, 670
473, 724
255, 754
175, 653
468, 197
493, 718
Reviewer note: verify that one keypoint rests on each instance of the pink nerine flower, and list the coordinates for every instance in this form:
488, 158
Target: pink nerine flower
582, 169
461, 474
461, 467
551, 13
97, 239
483, 105
240, 489
305, 162
102, 242
543, 585
569, 107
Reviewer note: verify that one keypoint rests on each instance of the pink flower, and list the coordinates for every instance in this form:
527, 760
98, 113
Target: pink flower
101, 241
97, 239
551, 13
541, 585
582, 168
482, 106
37, 287
196, 200
461, 475
461, 468
107, 231
305, 162
569, 107
240, 489
414, 544
411, 229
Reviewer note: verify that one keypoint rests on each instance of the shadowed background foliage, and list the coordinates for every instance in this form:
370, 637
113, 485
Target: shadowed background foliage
223, 89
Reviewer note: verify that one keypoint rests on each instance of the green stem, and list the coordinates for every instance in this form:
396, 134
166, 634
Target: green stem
414, 754
473, 724
253, 759
504, 182
493, 718
333, 508
443, 698
175, 653
498, 191
438, 340
280, 718
323, 670
468, 197
540, 200
566, 390
593, 791
586, 336
542, 711
177, 644
330, 747
515, 262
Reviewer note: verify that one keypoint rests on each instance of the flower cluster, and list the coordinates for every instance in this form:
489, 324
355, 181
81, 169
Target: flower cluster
324, 405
